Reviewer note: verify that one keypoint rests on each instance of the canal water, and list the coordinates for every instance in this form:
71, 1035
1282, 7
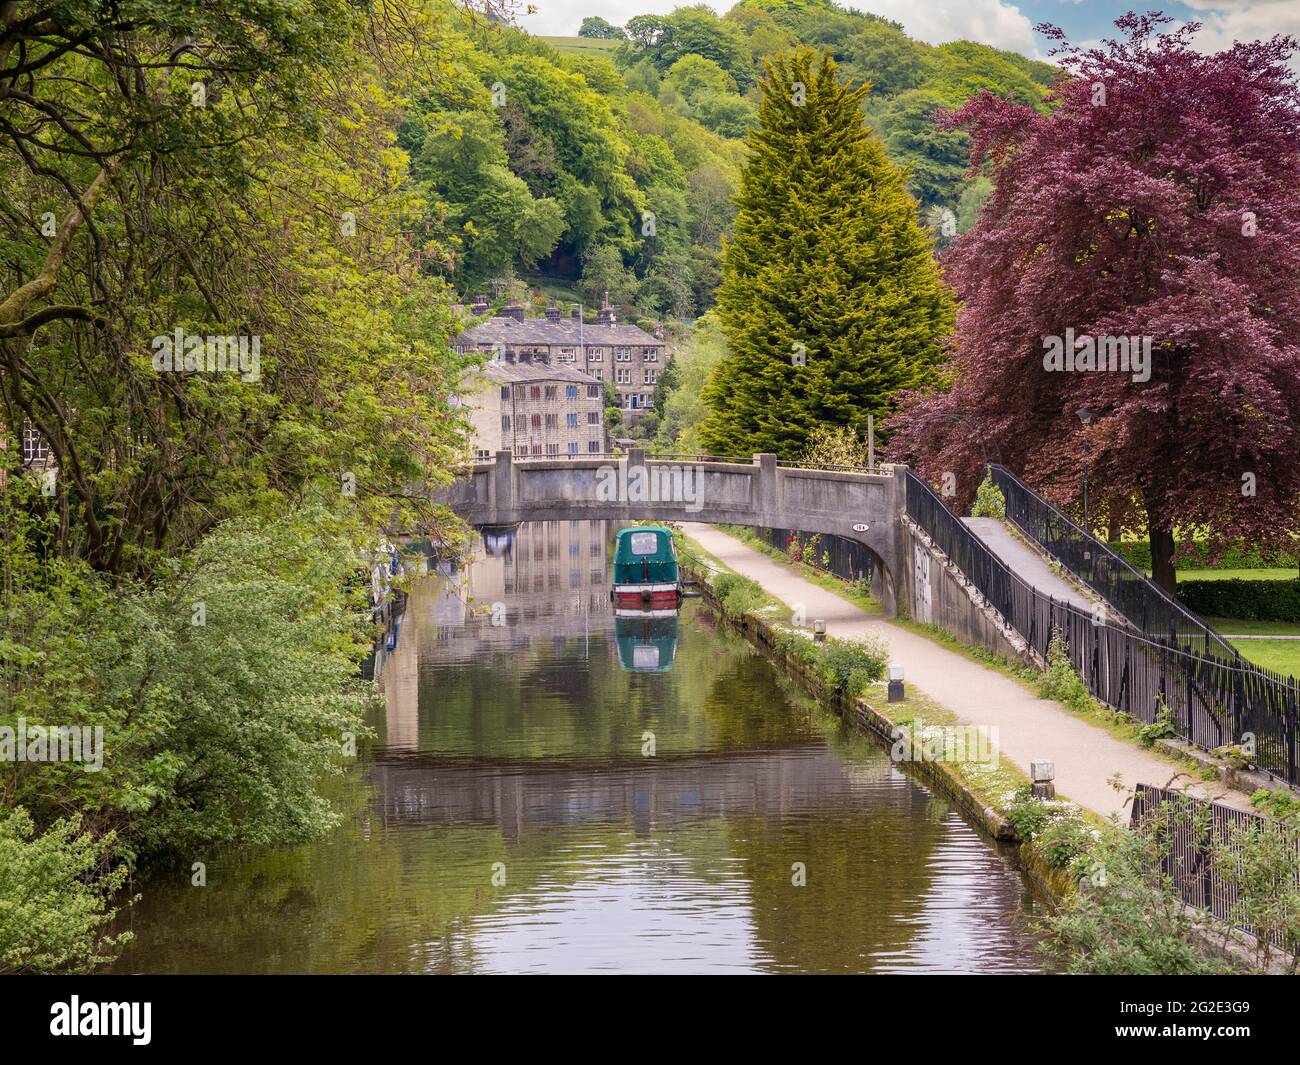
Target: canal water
552, 790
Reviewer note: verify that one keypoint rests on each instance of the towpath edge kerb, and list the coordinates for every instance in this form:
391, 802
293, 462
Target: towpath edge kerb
986, 818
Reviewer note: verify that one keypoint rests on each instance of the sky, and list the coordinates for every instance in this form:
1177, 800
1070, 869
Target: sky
1000, 23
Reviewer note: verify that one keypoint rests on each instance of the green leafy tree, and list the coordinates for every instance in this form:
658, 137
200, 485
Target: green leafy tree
603, 272
596, 27
831, 300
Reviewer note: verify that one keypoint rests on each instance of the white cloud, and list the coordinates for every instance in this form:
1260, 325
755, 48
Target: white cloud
1226, 21
991, 22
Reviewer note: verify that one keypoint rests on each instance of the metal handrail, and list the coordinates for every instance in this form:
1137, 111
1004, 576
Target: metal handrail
1214, 701
1151, 603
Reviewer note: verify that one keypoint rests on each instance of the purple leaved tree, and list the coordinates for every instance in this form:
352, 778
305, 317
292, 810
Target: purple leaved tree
1139, 258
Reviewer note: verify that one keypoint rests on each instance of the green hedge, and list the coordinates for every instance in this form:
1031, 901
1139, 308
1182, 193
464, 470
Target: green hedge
1138, 553
1248, 600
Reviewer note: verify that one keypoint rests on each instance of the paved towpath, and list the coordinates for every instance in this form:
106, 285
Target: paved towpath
1028, 727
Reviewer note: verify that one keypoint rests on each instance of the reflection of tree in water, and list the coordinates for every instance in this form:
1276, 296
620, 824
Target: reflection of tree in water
868, 873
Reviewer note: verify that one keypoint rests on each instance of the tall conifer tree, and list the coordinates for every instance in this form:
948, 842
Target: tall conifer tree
831, 299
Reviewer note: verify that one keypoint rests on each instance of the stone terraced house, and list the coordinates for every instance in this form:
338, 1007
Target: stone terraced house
625, 354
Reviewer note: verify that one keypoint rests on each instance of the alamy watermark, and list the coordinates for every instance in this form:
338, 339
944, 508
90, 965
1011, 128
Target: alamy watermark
53, 743
651, 484
1071, 354
182, 352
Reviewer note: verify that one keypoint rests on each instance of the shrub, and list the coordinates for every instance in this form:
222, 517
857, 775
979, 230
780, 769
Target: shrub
989, 500
1196, 554
1282, 805
1027, 815
53, 897
1059, 681
1128, 917
848, 666
1249, 600
1064, 841
1159, 729
738, 595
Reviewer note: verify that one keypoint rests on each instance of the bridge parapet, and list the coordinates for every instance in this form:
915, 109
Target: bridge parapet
862, 505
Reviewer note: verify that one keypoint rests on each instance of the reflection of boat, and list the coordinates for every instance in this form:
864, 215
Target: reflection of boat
647, 639
645, 568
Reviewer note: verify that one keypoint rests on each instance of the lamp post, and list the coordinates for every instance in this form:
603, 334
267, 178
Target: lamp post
1085, 416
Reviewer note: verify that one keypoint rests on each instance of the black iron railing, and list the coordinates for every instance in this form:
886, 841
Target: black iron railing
837, 555
1209, 701
1145, 605
1191, 831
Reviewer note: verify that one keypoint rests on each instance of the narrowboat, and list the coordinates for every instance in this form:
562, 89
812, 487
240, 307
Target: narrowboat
646, 573
647, 640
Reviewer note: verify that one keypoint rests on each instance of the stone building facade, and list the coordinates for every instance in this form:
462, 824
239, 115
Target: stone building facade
626, 355
536, 410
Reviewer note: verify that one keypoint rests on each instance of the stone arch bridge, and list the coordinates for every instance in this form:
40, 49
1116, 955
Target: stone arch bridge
857, 504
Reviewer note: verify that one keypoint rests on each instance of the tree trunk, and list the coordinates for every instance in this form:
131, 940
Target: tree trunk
1162, 558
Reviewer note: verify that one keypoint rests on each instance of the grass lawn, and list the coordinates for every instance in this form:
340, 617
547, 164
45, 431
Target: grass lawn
1281, 656
1288, 574
580, 44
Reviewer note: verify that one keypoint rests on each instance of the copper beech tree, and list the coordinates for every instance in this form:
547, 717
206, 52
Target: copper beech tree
1157, 205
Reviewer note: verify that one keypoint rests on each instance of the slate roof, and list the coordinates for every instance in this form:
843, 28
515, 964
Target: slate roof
511, 332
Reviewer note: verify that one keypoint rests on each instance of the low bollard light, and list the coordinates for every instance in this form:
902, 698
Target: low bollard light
819, 631
1042, 774
895, 683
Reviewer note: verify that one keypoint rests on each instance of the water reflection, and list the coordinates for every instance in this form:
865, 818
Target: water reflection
536, 804
647, 639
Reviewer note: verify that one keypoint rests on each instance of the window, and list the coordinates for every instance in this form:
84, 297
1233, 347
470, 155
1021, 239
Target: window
595, 355
537, 449
573, 447
623, 376
570, 391
571, 420
35, 449
482, 454
649, 377
622, 354
521, 450
643, 543
505, 423
593, 391
536, 421
593, 446
599, 375
552, 449
551, 421
566, 355
651, 354
550, 391
593, 417
535, 392
505, 391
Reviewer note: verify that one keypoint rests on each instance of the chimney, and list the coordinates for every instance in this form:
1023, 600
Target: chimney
513, 311
479, 307
659, 330
576, 313
552, 313
605, 316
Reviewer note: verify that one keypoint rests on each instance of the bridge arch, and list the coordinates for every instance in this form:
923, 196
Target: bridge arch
861, 505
